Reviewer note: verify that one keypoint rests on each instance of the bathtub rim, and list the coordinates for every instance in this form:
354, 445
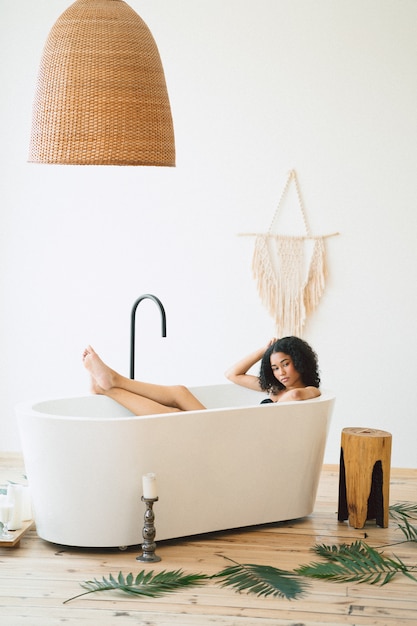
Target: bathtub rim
30, 407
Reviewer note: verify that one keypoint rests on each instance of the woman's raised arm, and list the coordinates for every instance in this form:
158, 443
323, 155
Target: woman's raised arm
237, 373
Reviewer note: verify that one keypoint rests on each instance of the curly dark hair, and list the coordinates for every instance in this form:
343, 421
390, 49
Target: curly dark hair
303, 357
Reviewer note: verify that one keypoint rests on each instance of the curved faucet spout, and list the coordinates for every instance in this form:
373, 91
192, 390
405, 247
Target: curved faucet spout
146, 296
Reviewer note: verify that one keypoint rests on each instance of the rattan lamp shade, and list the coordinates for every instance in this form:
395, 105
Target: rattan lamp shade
101, 96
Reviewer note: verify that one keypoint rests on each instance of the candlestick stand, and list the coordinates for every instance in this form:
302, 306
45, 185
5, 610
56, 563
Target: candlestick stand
148, 533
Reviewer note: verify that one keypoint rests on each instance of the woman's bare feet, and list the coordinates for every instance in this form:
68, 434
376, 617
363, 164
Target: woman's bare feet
103, 378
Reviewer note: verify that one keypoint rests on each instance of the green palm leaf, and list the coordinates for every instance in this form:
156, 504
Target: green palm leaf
145, 584
402, 512
357, 562
262, 580
406, 509
409, 531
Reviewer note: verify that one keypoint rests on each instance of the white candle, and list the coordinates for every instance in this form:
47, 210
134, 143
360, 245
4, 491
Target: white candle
149, 489
15, 499
6, 509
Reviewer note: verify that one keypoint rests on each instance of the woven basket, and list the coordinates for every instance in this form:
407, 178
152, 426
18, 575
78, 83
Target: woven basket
101, 96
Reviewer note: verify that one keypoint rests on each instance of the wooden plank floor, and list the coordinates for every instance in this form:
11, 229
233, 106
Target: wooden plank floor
37, 577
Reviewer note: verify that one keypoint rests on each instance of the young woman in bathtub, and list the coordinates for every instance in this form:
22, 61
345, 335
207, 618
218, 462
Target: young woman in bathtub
288, 372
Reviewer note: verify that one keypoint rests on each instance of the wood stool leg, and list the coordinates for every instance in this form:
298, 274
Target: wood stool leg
342, 511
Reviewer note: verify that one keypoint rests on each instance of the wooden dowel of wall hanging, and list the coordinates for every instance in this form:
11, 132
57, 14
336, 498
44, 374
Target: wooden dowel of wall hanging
289, 236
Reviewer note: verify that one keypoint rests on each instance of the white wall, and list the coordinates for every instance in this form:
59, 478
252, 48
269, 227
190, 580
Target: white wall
257, 88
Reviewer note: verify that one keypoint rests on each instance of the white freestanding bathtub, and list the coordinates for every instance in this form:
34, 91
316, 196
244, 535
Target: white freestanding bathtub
236, 464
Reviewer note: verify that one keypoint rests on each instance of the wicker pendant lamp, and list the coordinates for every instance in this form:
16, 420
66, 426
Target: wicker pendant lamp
101, 96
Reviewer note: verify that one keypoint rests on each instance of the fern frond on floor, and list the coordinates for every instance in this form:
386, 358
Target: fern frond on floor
356, 562
404, 509
402, 513
262, 580
146, 584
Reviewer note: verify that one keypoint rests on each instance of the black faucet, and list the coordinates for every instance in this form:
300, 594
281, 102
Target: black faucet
146, 296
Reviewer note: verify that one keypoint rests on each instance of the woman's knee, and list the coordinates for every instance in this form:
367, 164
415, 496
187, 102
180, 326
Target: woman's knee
182, 395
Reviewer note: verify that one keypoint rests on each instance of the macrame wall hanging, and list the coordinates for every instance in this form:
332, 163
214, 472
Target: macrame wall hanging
290, 270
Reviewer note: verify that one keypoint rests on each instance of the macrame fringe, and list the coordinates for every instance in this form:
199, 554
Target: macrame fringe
265, 276
317, 275
278, 268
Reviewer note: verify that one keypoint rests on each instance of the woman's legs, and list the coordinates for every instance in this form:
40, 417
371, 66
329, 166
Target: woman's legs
139, 397
138, 405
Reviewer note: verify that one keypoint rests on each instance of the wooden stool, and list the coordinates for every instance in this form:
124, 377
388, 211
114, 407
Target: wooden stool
365, 464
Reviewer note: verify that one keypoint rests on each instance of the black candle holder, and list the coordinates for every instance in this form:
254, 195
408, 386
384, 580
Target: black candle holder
148, 533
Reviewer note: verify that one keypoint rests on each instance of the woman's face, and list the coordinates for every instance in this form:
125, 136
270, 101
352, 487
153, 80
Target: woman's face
284, 370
